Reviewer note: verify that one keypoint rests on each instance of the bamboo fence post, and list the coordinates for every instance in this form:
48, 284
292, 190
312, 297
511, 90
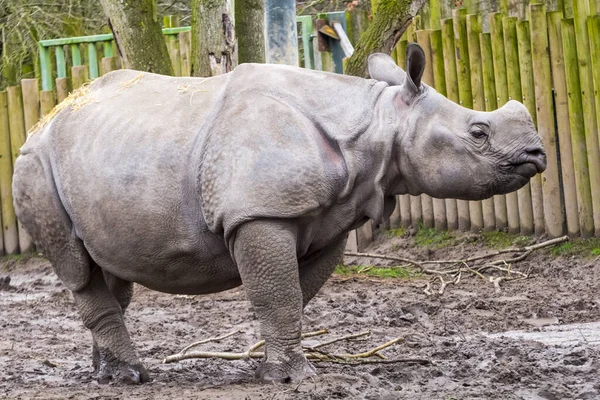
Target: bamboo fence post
588, 103
513, 79
451, 91
394, 220
185, 42
416, 212
576, 185
466, 210
9, 235
80, 76
532, 190
16, 120
430, 216
488, 219
553, 208
501, 90
439, 82
594, 35
577, 128
489, 90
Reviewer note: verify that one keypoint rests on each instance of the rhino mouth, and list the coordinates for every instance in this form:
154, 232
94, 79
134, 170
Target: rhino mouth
527, 166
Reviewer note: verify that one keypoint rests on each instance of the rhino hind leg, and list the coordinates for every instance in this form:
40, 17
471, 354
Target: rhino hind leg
122, 290
315, 271
265, 252
41, 212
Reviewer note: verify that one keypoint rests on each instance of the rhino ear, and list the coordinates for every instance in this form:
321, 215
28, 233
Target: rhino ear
383, 68
415, 65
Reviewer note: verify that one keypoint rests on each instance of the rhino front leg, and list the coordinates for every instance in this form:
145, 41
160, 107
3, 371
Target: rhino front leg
265, 253
103, 316
315, 270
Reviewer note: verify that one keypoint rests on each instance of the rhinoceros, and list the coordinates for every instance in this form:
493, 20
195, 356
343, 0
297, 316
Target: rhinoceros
255, 177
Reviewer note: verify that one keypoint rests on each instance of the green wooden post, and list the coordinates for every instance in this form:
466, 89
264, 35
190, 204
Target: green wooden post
577, 127
431, 218
487, 67
473, 25
435, 14
594, 34
449, 58
75, 55
461, 51
108, 49
553, 214
45, 67
531, 203
93, 61
576, 187
61, 65
307, 29
580, 13
501, 89
513, 79
401, 53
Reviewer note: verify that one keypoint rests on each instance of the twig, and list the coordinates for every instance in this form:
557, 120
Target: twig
203, 341
353, 336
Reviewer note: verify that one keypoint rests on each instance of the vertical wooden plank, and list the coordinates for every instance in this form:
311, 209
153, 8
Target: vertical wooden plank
482, 212
324, 45
553, 214
108, 64
61, 65
93, 61
31, 102
364, 235
16, 120
405, 217
307, 30
594, 35
185, 40
9, 235
62, 88
352, 243
501, 89
424, 42
461, 51
578, 207
395, 217
47, 101
75, 55
80, 76
575, 121
580, 13
451, 93
45, 67
439, 81
107, 48
31, 115
416, 211
513, 79
526, 194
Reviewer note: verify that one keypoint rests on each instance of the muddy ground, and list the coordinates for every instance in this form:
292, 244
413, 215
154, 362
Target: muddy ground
467, 333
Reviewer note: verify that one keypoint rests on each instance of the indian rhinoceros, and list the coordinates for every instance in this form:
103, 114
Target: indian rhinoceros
255, 177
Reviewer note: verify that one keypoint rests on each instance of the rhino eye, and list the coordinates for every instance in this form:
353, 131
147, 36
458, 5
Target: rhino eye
478, 134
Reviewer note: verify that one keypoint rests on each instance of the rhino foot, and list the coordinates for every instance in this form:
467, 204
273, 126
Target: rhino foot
108, 368
289, 369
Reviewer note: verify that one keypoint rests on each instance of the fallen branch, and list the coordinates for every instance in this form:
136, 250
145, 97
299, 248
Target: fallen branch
502, 265
313, 353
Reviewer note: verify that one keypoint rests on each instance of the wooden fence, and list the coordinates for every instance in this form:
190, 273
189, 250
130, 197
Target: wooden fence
549, 60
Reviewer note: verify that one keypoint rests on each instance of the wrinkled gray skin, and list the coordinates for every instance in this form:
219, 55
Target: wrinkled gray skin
188, 185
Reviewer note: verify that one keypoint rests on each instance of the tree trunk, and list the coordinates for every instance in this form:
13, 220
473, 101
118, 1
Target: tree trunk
138, 35
213, 38
390, 22
250, 30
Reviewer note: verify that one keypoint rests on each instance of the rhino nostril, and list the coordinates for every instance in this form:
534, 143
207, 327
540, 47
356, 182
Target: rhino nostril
535, 151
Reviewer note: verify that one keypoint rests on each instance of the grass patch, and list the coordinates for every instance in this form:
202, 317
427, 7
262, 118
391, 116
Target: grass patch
396, 232
578, 247
503, 240
429, 237
369, 270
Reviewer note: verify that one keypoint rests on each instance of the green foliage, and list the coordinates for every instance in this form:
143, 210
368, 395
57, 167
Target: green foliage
578, 247
429, 237
398, 272
502, 240
397, 232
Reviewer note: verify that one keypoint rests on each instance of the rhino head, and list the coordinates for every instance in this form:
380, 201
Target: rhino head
448, 151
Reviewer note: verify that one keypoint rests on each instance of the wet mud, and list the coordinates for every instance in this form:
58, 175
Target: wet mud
537, 338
